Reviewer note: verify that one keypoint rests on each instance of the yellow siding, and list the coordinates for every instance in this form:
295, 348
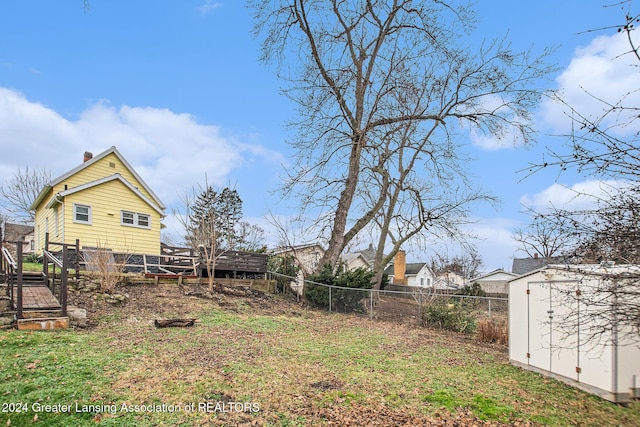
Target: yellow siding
106, 229
106, 201
101, 169
40, 222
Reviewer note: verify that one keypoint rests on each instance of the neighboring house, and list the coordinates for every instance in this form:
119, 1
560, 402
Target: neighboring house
449, 281
355, 260
409, 274
102, 202
361, 258
18, 233
308, 258
495, 283
553, 331
525, 265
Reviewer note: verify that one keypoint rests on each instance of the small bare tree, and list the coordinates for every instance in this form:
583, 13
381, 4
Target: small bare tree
106, 266
250, 237
201, 225
21, 190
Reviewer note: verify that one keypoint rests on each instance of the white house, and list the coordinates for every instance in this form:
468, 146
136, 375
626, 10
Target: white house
496, 282
307, 257
554, 313
410, 274
449, 280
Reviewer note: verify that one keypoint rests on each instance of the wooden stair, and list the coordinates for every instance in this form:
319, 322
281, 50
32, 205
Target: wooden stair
40, 308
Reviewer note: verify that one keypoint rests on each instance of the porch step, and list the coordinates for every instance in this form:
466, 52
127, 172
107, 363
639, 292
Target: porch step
41, 314
30, 279
42, 324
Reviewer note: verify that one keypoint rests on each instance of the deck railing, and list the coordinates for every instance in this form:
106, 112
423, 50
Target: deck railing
9, 269
52, 260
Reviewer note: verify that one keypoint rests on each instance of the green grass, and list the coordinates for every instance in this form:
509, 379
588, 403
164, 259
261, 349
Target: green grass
31, 266
299, 370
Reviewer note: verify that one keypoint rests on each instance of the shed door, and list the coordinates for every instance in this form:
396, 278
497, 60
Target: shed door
563, 309
539, 325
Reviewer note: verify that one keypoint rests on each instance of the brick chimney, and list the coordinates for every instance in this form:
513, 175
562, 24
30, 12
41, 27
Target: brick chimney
399, 268
88, 155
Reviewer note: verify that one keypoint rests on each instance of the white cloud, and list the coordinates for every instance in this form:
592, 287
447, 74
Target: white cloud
601, 71
209, 6
580, 196
170, 151
495, 242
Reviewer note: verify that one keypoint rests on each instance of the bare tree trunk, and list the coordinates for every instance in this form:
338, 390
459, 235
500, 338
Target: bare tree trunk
337, 242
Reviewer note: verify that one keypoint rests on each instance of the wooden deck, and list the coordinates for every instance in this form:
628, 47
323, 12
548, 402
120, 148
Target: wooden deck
37, 298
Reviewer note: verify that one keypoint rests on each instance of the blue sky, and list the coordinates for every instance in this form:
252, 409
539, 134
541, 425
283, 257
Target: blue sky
178, 88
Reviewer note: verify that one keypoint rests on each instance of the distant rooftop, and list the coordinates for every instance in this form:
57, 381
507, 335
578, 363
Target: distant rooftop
524, 265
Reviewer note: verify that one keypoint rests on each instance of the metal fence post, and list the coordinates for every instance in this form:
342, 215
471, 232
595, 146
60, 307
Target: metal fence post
370, 304
489, 308
329, 299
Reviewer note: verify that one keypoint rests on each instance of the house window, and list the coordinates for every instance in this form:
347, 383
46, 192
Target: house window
134, 219
82, 214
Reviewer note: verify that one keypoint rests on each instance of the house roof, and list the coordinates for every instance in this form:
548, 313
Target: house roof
487, 276
16, 232
347, 258
412, 268
287, 249
114, 177
524, 265
113, 150
369, 254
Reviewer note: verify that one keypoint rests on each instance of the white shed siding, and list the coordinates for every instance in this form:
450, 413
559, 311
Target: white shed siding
538, 304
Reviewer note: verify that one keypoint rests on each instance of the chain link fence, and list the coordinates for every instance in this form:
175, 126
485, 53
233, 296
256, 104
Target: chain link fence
423, 306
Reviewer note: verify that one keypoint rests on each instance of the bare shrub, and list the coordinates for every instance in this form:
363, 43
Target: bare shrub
492, 331
105, 266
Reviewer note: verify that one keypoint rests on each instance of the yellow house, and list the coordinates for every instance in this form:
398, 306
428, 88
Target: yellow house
102, 202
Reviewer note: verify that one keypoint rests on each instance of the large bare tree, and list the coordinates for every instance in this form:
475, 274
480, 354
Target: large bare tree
364, 73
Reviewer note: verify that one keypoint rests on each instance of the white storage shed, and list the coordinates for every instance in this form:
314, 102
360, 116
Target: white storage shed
562, 323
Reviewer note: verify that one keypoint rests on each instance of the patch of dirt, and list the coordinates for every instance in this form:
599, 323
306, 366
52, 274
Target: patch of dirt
145, 303
148, 302
381, 415
327, 385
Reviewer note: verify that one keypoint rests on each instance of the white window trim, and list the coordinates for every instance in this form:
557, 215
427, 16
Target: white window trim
136, 220
76, 220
